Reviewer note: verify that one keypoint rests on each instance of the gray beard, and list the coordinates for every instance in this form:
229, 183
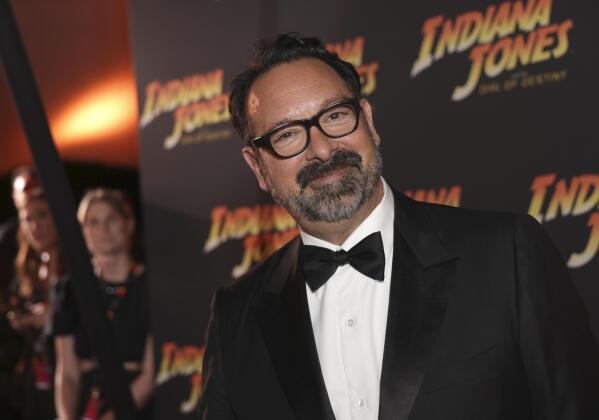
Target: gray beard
336, 201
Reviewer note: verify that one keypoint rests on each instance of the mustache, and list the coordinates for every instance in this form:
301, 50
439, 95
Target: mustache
340, 159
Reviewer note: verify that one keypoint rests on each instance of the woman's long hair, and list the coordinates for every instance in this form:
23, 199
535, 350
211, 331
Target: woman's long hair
28, 263
27, 267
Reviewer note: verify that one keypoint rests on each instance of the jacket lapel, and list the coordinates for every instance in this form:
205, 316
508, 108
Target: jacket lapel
423, 270
283, 315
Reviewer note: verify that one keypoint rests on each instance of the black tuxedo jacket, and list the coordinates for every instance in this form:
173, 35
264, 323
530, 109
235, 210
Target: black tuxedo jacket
483, 324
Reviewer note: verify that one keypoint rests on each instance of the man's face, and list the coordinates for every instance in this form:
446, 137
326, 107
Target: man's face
332, 178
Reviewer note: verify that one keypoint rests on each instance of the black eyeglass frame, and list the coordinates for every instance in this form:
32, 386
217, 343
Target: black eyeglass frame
264, 139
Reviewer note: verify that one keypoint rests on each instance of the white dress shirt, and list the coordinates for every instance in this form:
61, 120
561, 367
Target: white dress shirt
349, 320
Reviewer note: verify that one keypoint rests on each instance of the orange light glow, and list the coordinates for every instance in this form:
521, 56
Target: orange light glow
107, 108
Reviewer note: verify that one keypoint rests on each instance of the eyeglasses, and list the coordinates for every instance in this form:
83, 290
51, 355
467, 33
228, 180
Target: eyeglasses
290, 139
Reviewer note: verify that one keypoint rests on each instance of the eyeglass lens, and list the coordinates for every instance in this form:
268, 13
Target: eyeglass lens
335, 122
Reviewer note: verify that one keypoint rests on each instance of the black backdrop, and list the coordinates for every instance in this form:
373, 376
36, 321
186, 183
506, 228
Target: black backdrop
523, 139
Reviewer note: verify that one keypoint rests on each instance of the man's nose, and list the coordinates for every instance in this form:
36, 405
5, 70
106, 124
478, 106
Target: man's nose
321, 147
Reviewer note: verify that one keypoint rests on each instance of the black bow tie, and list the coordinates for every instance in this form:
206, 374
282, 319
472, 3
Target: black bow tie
367, 256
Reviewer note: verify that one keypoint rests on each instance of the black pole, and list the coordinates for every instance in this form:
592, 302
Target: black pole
62, 206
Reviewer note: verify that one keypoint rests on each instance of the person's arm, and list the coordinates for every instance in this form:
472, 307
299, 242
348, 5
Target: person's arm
559, 351
143, 386
66, 378
214, 403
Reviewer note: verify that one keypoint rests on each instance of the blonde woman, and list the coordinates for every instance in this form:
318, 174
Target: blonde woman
108, 226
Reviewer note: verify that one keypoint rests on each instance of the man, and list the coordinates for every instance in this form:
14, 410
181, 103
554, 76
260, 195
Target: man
384, 307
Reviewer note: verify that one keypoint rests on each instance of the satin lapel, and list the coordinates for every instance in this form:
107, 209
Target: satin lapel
423, 272
284, 318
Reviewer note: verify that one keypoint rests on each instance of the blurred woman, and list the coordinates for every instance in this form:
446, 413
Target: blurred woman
108, 226
37, 268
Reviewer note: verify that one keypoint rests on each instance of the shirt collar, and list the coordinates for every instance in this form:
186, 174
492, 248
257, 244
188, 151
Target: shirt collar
380, 219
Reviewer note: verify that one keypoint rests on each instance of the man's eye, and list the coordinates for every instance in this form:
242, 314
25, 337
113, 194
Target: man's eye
336, 116
285, 136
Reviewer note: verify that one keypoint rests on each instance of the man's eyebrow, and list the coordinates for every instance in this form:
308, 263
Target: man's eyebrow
279, 123
324, 103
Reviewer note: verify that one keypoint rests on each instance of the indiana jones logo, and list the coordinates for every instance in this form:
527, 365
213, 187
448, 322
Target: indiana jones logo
196, 101
182, 361
506, 37
554, 198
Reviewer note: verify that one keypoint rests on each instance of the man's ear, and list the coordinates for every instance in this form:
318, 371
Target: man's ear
249, 154
366, 108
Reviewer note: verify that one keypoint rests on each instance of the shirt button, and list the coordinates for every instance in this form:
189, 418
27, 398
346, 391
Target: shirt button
360, 403
349, 322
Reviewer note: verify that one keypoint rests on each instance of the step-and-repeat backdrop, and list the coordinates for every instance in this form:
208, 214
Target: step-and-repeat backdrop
484, 104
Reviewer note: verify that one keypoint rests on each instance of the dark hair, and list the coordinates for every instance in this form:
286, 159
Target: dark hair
284, 49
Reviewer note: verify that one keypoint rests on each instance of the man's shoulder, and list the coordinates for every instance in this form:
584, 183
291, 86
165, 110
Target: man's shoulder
469, 218
458, 222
